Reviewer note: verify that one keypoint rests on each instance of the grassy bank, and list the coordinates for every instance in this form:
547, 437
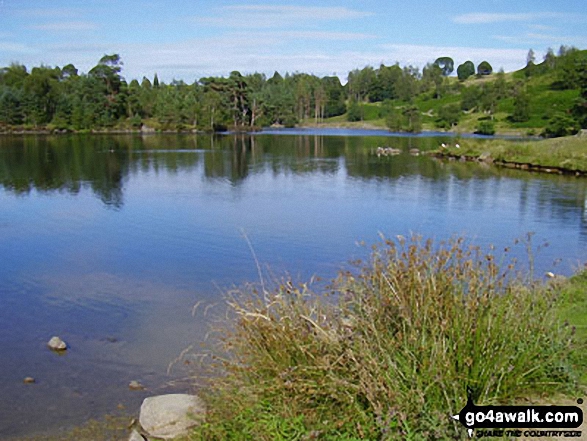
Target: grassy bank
567, 154
391, 349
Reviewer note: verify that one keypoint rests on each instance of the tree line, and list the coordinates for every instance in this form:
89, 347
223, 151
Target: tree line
64, 99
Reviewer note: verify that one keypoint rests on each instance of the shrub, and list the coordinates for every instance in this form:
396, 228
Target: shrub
354, 112
485, 127
391, 354
561, 124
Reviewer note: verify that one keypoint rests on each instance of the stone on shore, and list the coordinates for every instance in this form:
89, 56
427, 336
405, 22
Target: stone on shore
56, 344
170, 416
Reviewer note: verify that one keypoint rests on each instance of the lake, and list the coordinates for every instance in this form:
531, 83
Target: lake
109, 241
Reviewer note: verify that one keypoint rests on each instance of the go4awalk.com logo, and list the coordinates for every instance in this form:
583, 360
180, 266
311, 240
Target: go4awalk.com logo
537, 421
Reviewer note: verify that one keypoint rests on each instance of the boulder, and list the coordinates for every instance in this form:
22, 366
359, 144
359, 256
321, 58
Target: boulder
170, 416
57, 344
135, 436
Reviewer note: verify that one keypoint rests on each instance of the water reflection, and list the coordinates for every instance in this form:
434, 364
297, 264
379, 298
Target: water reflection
104, 163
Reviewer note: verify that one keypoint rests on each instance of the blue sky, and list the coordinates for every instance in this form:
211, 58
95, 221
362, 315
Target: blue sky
191, 39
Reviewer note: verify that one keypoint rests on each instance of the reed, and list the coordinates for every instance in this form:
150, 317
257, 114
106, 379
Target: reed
389, 350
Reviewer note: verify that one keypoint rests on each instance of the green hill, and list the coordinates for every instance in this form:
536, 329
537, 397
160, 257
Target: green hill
525, 102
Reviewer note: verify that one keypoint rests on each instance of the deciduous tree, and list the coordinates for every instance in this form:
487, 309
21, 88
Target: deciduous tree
465, 70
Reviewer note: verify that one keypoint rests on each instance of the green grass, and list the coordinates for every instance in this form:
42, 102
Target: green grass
573, 310
568, 153
389, 351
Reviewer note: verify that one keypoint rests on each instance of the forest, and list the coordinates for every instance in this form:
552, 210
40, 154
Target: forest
547, 98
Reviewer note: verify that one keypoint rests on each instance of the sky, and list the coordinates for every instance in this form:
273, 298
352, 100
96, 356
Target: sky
187, 40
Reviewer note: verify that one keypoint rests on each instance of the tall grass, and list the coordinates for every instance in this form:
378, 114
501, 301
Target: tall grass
390, 352
567, 153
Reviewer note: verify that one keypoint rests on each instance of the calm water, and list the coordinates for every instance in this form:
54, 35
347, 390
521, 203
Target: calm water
108, 241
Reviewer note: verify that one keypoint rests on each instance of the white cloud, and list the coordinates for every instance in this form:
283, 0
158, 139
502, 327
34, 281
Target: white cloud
66, 26
541, 27
301, 12
49, 12
257, 16
281, 36
191, 60
537, 38
484, 18
15, 47
419, 55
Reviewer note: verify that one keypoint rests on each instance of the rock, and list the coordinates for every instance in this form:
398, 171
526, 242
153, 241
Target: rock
135, 436
56, 344
135, 385
29, 380
170, 416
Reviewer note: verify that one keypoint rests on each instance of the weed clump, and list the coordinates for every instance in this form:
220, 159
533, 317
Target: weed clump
390, 352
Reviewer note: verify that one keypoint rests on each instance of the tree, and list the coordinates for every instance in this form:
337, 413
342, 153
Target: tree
40, 88
561, 124
521, 107
355, 111
580, 107
446, 64
569, 68
413, 119
465, 70
69, 71
432, 75
361, 82
485, 127
530, 65
550, 58
14, 75
10, 106
500, 85
448, 116
531, 57
488, 98
335, 97
407, 84
484, 68
394, 119
386, 83
470, 97
108, 70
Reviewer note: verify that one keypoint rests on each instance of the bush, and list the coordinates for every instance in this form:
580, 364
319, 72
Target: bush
354, 112
485, 127
561, 124
392, 353
448, 116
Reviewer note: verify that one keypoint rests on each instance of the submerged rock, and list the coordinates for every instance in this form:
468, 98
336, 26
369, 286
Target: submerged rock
135, 385
170, 416
56, 344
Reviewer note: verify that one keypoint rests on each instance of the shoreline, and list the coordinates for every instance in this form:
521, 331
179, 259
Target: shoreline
510, 164
361, 126
563, 156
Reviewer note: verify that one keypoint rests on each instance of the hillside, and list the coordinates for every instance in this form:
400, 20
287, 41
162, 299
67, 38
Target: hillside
549, 98
524, 102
